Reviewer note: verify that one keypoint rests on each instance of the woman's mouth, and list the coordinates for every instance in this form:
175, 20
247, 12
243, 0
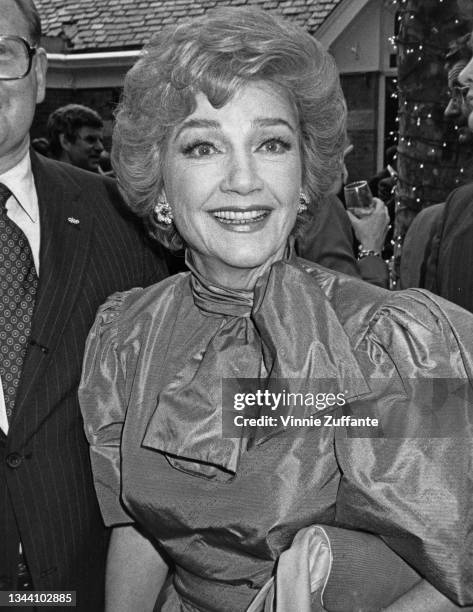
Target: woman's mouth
240, 217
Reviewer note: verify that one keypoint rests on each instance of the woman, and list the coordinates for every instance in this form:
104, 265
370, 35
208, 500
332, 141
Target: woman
230, 128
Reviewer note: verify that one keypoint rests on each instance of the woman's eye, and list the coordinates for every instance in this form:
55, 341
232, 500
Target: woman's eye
200, 149
275, 145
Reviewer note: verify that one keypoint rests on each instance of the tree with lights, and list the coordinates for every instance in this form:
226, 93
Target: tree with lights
431, 160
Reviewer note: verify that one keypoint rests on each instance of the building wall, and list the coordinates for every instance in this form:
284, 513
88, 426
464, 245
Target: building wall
363, 51
358, 48
361, 93
357, 52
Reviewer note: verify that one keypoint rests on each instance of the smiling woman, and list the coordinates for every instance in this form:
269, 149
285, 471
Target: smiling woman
231, 128
233, 178
297, 86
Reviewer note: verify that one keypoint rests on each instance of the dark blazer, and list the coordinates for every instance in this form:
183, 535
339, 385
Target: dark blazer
417, 246
449, 267
329, 241
47, 495
328, 238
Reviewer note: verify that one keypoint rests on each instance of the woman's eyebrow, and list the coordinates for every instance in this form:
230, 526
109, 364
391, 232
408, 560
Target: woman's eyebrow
197, 123
272, 122
210, 123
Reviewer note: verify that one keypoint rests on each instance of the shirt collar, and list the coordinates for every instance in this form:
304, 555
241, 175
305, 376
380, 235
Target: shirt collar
20, 182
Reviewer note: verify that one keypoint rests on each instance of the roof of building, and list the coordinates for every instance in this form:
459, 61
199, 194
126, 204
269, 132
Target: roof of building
88, 25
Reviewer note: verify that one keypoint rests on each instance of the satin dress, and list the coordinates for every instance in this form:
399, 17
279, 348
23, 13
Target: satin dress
222, 507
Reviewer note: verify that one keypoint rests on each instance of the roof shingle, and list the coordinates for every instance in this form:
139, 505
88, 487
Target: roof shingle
128, 24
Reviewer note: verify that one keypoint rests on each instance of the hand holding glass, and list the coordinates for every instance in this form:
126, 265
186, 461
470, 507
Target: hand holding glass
359, 199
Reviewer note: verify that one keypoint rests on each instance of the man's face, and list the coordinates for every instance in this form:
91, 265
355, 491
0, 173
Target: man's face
465, 79
18, 98
454, 108
457, 108
85, 151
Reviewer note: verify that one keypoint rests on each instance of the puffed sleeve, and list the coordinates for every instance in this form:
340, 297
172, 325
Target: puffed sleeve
103, 404
410, 480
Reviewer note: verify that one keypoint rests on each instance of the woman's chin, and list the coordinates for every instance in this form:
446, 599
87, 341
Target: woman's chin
249, 257
236, 267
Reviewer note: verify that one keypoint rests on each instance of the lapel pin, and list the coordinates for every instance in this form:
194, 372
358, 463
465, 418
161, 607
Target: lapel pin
73, 220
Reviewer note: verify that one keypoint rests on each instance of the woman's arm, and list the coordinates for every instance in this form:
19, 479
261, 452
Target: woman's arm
424, 598
135, 572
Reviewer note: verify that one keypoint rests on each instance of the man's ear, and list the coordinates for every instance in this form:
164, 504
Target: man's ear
40, 68
65, 144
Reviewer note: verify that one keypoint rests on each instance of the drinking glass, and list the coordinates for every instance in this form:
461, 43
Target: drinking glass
358, 198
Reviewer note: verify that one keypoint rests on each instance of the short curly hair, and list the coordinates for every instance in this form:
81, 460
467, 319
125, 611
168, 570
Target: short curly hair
68, 120
217, 54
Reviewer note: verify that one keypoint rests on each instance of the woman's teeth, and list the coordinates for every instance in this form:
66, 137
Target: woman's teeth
236, 217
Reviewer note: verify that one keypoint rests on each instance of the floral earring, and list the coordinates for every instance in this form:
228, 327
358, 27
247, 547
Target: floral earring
163, 212
303, 203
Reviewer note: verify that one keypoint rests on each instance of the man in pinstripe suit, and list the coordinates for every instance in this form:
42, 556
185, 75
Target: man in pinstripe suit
84, 247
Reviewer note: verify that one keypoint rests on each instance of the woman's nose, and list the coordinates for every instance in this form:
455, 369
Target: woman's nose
241, 174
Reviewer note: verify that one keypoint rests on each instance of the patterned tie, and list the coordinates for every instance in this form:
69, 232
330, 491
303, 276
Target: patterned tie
18, 285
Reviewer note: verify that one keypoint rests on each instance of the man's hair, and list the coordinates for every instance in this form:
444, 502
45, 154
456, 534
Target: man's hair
30, 13
218, 54
68, 120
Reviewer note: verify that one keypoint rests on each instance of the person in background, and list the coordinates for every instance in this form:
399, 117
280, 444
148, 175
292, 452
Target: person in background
370, 233
450, 258
330, 237
75, 134
417, 246
105, 164
239, 120
369, 236
457, 58
382, 183
437, 245
67, 243
41, 145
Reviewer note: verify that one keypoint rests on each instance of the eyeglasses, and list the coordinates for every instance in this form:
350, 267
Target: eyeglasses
16, 57
459, 92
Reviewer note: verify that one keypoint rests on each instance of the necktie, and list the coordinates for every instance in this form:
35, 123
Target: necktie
18, 286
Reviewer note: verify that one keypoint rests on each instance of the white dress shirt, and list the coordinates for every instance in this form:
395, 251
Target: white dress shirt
22, 208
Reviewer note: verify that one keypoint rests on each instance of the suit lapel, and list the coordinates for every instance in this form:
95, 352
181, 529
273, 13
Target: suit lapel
66, 232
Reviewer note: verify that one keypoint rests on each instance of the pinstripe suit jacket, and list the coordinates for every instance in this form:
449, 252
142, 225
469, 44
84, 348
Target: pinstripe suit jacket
47, 496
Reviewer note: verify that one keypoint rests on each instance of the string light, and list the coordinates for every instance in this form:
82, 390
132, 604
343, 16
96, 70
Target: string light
423, 150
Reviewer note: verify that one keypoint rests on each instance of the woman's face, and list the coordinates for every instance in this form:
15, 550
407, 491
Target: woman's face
232, 177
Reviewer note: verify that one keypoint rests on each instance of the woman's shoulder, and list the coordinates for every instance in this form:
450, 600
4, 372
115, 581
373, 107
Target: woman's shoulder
336, 285
420, 317
127, 307
354, 301
362, 307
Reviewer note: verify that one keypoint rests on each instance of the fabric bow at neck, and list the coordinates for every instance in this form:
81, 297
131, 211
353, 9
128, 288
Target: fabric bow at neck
214, 299
286, 330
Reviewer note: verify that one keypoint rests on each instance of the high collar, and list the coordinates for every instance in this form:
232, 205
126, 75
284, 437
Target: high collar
292, 338
215, 299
